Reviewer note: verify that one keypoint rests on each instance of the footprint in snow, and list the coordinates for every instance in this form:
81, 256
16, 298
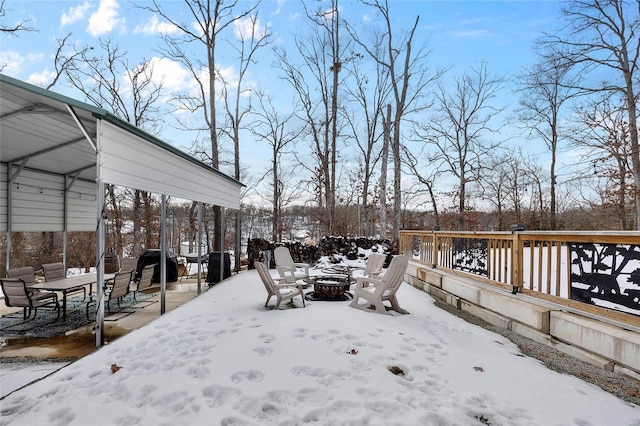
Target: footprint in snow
247, 376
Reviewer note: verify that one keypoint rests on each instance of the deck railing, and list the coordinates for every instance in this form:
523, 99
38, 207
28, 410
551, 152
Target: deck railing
600, 269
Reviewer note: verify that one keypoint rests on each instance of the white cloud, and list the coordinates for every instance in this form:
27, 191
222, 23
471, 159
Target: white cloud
42, 78
154, 26
279, 8
173, 76
105, 19
244, 29
229, 74
75, 14
12, 63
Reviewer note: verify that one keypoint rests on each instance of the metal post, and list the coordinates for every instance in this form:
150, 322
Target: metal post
173, 221
222, 232
65, 221
358, 210
238, 239
199, 214
9, 216
100, 203
163, 253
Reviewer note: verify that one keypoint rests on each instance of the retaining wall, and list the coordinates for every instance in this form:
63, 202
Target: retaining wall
590, 339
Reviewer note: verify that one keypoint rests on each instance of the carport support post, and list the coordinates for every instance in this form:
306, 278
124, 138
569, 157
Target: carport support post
163, 253
199, 207
222, 232
9, 216
99, 262
238, 248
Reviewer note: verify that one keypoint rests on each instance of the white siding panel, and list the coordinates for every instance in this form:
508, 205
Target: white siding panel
37, 202
129, 160
82, 206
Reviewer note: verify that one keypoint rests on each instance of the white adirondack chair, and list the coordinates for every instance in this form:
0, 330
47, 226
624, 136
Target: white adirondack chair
374, 265
280, 291
383, 288
287, 268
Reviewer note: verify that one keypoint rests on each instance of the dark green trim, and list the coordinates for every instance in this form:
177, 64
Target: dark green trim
51, 95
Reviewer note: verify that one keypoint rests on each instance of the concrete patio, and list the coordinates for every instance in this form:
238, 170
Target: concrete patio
78, 343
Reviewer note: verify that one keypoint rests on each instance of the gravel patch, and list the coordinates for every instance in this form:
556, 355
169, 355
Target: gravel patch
624, 387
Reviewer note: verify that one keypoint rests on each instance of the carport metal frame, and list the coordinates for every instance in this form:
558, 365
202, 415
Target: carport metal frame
65, 147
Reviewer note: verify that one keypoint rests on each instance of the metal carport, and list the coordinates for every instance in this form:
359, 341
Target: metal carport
57, 154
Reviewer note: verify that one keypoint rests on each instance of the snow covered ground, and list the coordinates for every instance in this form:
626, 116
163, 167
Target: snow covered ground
224, 359
15, 375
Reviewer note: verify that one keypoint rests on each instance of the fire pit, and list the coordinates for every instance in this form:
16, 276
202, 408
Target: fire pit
329, 287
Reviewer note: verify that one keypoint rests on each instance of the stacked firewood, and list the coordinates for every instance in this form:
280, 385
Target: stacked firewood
262, 251
336, 248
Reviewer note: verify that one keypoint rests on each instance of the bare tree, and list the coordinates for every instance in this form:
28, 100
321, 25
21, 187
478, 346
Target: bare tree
426, 176
66, 59
605, 35
537, 180
407, 78
271, 126
495, 184
132, 93
321, 62
457, 132
252, 36
546, 88
604, 132
504, 185
384, 163
15, 28
199, 37
367, 94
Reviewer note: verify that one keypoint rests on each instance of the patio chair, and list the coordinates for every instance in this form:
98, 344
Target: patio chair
57, 271
280, 291
128, 264
116, 291
383, 288
18, 295
289, 270
145, 281
27, 274
374, 265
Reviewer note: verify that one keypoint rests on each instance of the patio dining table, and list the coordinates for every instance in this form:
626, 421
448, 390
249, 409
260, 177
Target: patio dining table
65, 285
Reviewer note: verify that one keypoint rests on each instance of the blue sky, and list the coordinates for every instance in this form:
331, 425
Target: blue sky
460, 33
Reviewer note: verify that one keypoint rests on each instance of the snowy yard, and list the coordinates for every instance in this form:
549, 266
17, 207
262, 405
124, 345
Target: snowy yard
224, 359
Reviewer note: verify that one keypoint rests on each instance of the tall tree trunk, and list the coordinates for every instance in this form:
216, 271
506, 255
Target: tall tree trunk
275, 225
554, 148
397, 176
635, 146
386, 126
462, 195
137, 223
337, 65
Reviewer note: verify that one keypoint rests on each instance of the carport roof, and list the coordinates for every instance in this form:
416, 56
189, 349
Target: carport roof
53, 132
